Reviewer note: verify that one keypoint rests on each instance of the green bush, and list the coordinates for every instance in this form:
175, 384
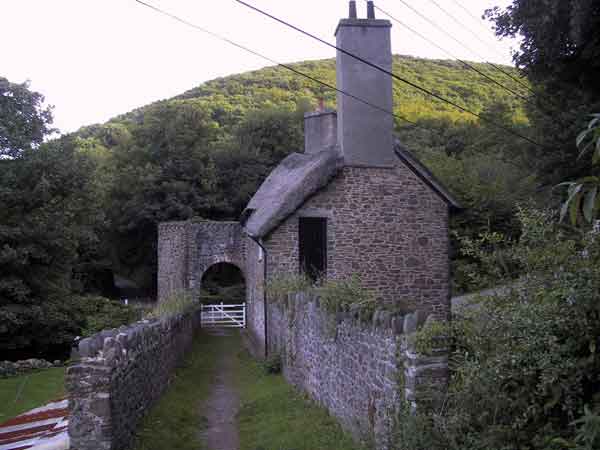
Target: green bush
418, 432
177, 303
588, 431
433, 335
99, 313
335, 295
345, 295
281, 285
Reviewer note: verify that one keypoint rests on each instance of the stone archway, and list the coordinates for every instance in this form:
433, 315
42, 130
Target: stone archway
223, 282
186, 250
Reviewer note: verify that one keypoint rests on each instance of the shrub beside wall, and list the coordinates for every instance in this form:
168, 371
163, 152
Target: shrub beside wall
118, 374
362, 367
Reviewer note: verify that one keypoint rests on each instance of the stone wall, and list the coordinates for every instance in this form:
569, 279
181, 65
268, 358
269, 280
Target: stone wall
118, 374
364, 372
384, 225
212, 243
172, 258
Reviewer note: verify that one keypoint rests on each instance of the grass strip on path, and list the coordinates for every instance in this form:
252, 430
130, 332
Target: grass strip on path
25, 392
275, 416
176, 421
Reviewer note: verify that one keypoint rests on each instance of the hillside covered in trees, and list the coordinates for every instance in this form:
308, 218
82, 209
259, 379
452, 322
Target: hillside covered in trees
276, 86
205, 152
202, 155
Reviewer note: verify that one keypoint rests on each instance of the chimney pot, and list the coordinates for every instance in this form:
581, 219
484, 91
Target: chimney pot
370, 10
353, 14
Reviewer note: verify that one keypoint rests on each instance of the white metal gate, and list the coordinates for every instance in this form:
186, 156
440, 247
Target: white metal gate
223, 316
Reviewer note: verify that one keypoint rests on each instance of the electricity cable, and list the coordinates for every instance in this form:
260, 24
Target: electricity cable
473, 16
468, 48
463, 45
455, 20
392, 74
450, 54
465, 63
465, 27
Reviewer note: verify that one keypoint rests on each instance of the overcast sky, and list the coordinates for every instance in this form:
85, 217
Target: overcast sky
94, 59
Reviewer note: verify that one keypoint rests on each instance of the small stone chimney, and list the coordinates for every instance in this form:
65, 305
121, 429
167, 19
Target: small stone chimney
365, 134
320, 130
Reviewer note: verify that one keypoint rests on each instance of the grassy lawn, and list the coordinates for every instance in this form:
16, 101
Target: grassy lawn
275, 416
176, 420
25, 392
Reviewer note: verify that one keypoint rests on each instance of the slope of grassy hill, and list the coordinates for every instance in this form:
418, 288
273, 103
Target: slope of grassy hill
278, 86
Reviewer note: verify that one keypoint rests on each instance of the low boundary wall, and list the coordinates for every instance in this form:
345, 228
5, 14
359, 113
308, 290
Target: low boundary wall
365, 372
118, 374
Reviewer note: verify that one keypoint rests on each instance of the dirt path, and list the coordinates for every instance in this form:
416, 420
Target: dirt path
222, 406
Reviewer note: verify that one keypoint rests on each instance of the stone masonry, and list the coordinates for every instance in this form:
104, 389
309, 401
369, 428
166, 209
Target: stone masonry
118, 374
384, 225
364, 371
187, 249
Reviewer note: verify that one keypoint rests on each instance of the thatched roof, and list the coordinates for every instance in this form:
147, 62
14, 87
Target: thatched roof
295, 179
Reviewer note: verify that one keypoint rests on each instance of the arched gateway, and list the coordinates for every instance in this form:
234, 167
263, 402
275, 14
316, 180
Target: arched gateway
223, 282
186, 250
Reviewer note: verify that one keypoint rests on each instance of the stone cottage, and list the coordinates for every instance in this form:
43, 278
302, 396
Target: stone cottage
356, 202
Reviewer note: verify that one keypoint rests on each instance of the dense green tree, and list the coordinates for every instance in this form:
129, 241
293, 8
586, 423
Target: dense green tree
48, 214
175, 162
560, 40
24, 120
52, 207
162, 170
560, 54
259, 142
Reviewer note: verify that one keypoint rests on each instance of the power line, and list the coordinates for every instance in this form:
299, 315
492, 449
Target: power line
285, 66
390, 73
273, 61
464, 63
463, 45
474, 17
462, 25
549, 101
455, 20
552, 105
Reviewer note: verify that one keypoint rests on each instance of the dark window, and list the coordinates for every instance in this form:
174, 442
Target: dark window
313, 246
